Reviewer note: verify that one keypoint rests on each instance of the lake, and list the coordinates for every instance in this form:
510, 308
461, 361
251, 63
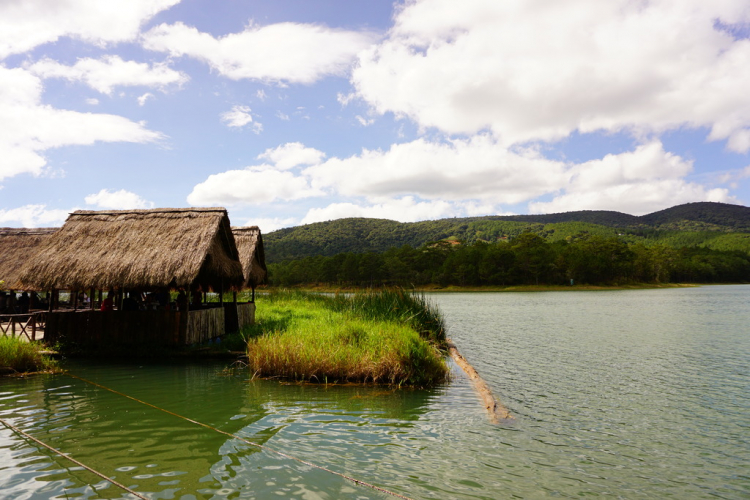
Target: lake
625, 394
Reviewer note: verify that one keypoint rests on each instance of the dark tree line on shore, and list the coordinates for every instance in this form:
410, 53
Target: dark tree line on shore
525, 260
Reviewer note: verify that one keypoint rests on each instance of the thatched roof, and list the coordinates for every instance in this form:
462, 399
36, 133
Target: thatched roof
17, 246
143, 249
252, 255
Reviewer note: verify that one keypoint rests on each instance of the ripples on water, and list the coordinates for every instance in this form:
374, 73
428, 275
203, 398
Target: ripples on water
628, 394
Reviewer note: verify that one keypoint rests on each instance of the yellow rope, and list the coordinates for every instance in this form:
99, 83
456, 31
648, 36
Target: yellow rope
32, 438
258, 445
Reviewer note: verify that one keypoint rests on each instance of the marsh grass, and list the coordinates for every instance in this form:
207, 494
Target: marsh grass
355, 338
397, 305
24, 357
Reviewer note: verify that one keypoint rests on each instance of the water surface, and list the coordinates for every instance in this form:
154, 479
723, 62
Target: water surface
626, 394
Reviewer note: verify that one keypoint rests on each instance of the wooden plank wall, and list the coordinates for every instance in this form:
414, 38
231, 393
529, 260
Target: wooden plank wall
246, 314
114, 328
204, 325
108, 329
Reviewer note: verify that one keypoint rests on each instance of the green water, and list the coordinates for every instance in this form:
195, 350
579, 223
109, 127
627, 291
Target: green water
627, 394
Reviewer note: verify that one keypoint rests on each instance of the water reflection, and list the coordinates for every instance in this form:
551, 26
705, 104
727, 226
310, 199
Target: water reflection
151, 451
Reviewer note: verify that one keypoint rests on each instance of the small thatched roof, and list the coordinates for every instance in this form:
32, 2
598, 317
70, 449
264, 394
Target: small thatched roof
144, 249
252, 255
17, 246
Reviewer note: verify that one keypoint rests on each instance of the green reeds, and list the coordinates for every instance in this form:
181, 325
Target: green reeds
397, 305
24, 356
368, 337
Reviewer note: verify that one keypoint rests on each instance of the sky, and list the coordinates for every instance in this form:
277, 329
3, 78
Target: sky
297, 111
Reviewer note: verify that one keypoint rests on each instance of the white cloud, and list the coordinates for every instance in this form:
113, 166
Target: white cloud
110, 71
34, 216
345, 99
405, 209
531, 71
268, 225
427, 179
117, 200
252, 186
28, 127
25, 24
240, 116
475, 169
365, 122
92, 101
283, 52
638, 182
260, 94
292, 154
145, 97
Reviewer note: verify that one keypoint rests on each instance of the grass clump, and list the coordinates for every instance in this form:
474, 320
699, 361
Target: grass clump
24, 357
399, 306
311, 337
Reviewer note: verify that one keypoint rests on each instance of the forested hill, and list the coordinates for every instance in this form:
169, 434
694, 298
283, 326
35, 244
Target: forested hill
360, 235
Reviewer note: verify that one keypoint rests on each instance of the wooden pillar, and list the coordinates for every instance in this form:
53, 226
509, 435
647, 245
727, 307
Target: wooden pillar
252, 299
50, 299
92, 298
234, 297
221, 293
75, 301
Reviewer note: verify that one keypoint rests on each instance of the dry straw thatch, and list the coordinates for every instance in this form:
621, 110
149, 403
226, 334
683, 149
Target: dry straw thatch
252, 255
138, 249
17, 246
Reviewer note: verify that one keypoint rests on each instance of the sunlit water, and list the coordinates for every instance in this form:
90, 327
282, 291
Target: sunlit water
623, 394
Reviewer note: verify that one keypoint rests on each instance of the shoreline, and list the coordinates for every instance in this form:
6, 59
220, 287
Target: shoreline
513, 288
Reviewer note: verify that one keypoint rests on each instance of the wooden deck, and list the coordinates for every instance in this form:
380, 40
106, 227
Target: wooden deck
93, 329
24, 326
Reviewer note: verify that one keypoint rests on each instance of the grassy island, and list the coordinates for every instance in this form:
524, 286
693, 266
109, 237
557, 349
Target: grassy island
388, 337
19, 356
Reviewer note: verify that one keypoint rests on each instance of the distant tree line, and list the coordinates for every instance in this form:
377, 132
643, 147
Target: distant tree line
527, 259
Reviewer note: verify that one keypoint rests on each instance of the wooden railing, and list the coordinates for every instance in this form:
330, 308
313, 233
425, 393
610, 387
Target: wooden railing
17, 325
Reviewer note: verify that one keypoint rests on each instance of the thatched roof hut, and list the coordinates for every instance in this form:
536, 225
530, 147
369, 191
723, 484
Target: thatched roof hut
252, 255
138, 249
17, 246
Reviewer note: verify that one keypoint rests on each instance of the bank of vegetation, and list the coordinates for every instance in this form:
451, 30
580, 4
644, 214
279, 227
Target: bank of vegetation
527, 259
19, 356
385, 337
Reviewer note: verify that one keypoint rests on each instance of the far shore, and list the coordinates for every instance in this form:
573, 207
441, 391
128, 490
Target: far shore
515, 288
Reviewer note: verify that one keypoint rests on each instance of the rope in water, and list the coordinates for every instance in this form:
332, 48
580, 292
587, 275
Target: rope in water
258, 445
40, 443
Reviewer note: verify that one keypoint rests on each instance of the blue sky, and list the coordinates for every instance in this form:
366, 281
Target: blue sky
292, 112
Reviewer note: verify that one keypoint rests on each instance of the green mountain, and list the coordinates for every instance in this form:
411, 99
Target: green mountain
705, 224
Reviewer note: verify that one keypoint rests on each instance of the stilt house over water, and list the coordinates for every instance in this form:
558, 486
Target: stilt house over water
250, 245
17, 246
139, 257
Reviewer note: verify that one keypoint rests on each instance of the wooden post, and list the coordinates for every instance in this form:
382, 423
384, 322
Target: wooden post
75, 301
92, 297
234, 297
50, 294
252, 299
221, 293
